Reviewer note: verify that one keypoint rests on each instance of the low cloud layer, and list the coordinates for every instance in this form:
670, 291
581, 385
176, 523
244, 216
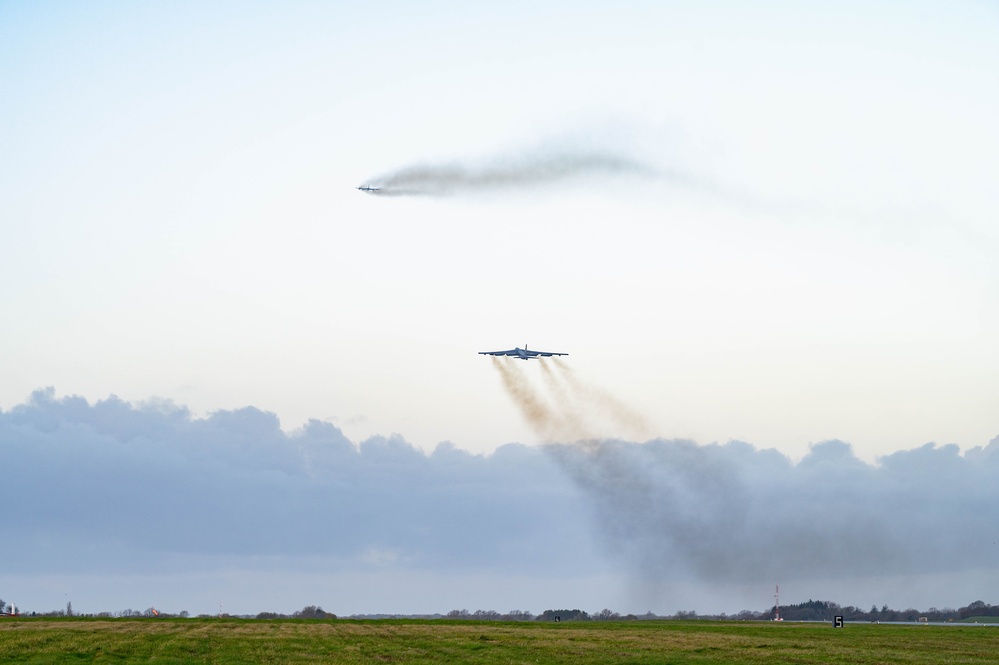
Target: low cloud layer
113, 483
117, 487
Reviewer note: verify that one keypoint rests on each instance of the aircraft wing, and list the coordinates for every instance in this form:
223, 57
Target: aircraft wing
521, 353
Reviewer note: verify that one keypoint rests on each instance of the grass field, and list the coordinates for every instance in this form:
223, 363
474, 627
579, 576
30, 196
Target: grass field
411, 641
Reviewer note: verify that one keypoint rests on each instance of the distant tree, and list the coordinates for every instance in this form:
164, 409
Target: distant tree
2, 605
518, 615
313, 612
486, 615
563, 615
458, 614
270, 615
606, 615
975, 609
979, 609
69, 608
813, 610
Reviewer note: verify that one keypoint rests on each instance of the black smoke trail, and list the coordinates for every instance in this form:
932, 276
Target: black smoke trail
536, 170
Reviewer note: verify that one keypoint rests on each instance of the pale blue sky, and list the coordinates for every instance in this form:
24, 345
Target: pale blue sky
813, 259
179, 218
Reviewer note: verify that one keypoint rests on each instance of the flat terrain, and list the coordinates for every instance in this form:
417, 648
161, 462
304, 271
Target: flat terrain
412, 641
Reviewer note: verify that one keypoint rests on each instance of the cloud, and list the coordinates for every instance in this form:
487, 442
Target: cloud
114, 483
113, 488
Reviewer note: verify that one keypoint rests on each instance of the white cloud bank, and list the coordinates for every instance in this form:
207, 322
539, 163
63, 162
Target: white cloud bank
146, 496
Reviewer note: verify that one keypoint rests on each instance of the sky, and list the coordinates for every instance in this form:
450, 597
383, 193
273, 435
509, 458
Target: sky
763, 234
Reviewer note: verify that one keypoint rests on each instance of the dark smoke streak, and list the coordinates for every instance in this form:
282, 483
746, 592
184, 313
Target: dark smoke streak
736, 515
538, 414
575, 424
671, 510
662, 510
574, 412
539, 170
606, 404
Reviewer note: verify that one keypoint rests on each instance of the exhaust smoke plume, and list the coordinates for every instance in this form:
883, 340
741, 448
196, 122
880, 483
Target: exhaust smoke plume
734, 515
568, 409
608, 406
730, 515
532, 406
540, 169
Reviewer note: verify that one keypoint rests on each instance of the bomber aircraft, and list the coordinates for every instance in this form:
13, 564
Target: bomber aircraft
523, 353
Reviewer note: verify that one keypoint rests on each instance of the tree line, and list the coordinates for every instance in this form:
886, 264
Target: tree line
811, 610
820, 610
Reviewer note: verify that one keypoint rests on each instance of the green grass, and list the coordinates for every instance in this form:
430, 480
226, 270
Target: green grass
985, 619
220, 641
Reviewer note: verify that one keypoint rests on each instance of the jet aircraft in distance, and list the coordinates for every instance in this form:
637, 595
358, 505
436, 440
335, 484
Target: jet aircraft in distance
523, 353
365, 188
